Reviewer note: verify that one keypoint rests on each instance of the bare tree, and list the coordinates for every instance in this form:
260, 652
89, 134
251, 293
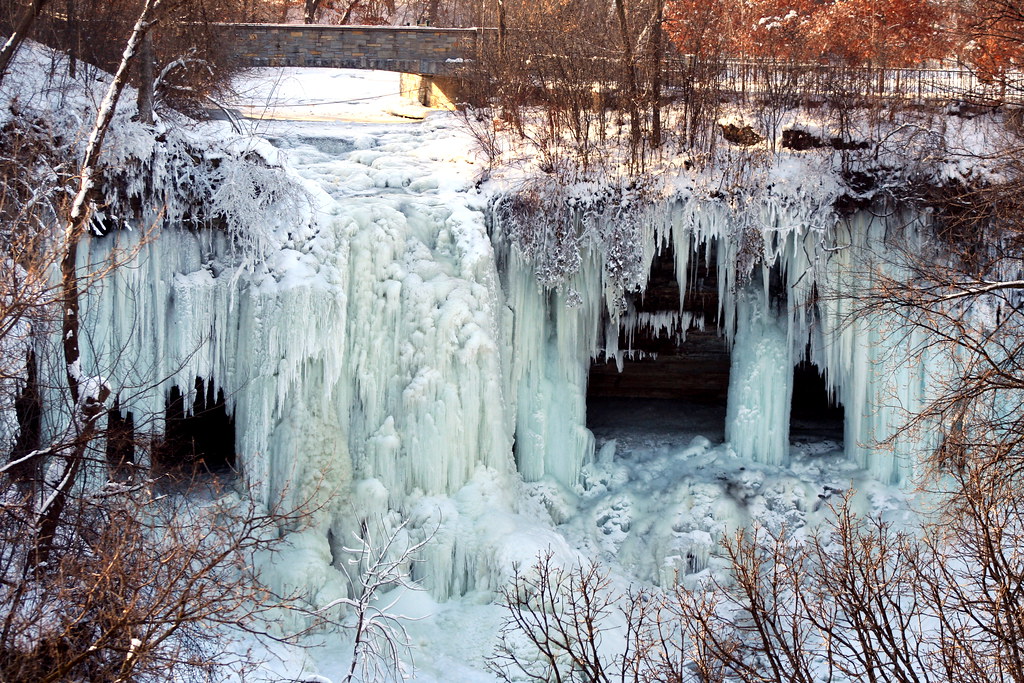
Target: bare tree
88, 395
572, 69
381, 561
105, 574
563, 614
138, 581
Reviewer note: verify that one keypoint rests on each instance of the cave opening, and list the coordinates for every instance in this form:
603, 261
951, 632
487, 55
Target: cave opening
815, 413
120, 442
200, 436
670, 379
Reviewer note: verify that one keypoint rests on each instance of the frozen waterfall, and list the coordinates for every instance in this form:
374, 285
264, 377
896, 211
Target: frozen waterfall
789, 275
401, 357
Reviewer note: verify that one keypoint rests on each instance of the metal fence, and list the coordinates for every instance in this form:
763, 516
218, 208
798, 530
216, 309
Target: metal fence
766, 78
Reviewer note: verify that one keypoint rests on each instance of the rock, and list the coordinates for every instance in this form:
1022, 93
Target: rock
740, 135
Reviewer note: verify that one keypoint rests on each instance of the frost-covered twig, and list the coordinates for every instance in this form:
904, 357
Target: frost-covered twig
182, 61
380, 634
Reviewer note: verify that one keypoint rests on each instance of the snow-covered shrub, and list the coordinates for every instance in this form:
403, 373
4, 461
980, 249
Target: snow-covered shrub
199, 182
555, 226
136, 586
177, 174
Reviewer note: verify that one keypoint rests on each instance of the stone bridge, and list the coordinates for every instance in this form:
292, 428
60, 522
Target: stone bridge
428, 57
407, 49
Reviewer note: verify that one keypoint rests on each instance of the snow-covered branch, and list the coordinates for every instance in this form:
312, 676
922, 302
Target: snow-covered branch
982, 287
179, 63
380, 636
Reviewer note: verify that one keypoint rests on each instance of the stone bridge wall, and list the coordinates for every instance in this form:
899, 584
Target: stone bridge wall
407, 49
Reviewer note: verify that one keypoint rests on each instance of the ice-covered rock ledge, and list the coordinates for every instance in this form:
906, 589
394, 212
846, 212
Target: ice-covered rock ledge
795, 237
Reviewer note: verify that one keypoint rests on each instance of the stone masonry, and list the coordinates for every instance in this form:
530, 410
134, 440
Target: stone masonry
407, 49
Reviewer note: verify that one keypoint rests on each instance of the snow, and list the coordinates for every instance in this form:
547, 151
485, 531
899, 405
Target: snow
314, 94
398, 352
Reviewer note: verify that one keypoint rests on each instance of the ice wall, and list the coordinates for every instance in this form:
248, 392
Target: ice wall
368, 349
385, 359
790, 272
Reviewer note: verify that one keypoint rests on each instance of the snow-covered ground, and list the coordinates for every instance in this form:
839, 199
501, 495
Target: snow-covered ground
328, 95
656, 497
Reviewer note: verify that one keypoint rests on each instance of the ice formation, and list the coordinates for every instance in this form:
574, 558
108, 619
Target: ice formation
389, 368
391, 344
390, 354
822, 262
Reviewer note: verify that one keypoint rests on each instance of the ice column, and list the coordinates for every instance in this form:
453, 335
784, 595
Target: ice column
554, 335
760, 380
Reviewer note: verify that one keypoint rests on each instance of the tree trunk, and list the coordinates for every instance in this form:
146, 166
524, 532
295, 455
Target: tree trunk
501, 29
146, 80
71, 37
21, 31
656, 49
352, 7
309, 11
632, 89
